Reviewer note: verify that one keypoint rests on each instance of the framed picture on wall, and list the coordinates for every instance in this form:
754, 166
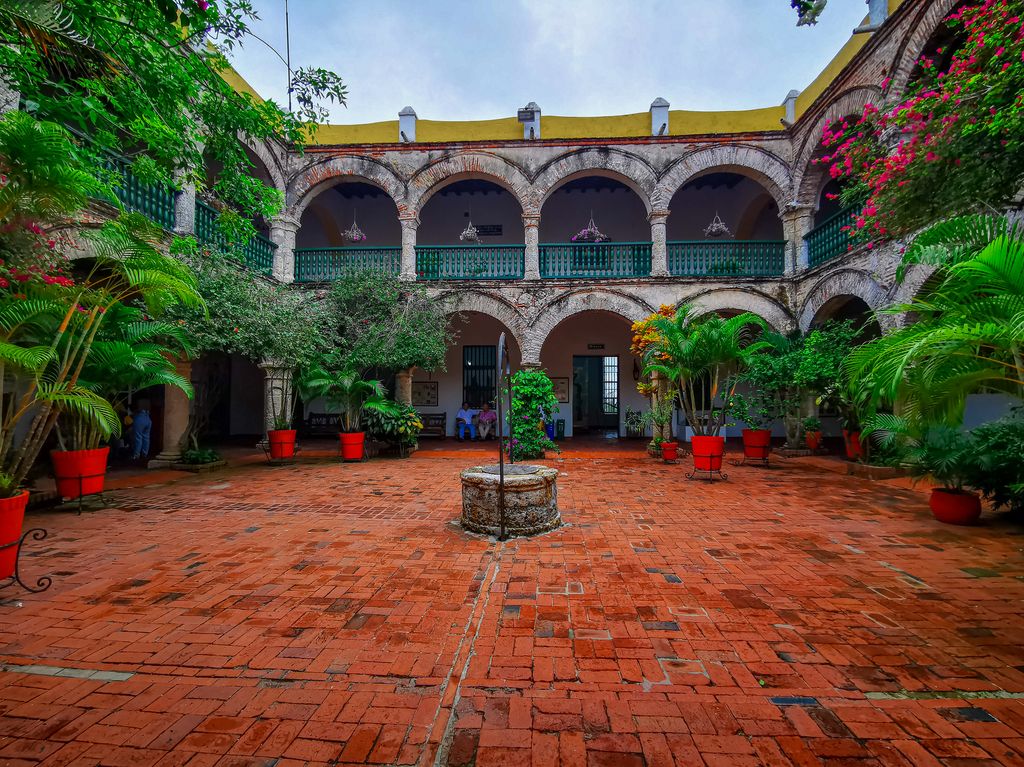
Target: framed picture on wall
561, 388
424, 393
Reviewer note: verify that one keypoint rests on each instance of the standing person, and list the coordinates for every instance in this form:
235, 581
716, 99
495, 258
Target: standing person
464, 420
142, 425
486, 422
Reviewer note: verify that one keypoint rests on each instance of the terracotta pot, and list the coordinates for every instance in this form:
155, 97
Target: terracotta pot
854, 448
708, 452
955, 507
352, 445
12, 515
757, 443
813, 439
282, 443
669, 451
79, 472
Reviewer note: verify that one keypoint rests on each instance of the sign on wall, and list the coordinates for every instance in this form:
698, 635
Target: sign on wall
561, 387
424, 393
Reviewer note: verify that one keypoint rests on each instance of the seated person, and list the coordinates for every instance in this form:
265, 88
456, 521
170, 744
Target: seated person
486, 422
464, 420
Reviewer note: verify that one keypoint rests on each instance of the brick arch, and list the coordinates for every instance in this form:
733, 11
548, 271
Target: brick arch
909, 287
562, 308
922, 29
270, 161
470, 165
810, 179
617, 164
493, 306
322, 175
753, 301
757, 164
845, 282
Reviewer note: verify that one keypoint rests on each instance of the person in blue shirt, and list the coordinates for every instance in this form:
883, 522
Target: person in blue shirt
464, 420
142, 425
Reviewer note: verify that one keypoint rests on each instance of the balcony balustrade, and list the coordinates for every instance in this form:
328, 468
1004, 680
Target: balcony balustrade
831, 238
729, 258
470, 262
595, 260
325, 264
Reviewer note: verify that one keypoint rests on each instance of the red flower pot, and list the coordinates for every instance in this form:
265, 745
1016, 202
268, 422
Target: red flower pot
669, 451
12, 515
955, 507
708, 452
757, 443
282, 443
813, 439
79, 472
352, 445
854, 448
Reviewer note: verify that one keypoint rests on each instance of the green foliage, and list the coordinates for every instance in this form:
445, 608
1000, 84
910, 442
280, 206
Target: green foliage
200, 456
811, 424
347, 392
151, 79
533, 404
383, 323
998, 471
398, 426
968, 330
634, 421
758, 410
943, 453
689, 350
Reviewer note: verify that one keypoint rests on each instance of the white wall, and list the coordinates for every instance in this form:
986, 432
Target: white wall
473, 329
572, 337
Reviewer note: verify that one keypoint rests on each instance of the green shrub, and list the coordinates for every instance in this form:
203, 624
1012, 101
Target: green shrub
398, 426
998, 471
812, 424
200, 456
533, 404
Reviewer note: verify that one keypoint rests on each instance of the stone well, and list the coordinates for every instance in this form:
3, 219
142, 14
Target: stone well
531, 500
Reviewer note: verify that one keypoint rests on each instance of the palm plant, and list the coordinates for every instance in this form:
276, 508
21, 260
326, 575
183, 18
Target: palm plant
969, 333
690, 351
129, 354
348, 392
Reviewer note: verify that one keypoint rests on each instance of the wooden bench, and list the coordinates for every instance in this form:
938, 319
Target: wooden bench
434, 425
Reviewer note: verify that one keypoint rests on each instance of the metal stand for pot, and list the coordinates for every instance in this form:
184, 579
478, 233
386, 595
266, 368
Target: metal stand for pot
265, 447
42, 584
763, 460
699, 473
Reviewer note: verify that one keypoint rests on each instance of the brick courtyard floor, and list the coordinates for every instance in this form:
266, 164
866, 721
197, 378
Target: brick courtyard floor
333, 614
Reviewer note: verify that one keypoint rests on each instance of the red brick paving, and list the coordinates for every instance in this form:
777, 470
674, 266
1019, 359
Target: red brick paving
332, 614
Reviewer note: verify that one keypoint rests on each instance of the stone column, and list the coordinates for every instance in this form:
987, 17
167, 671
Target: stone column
410, 222
660, 434
185, 209
659, 247
277, 390
403, 386
797, 221
531, 231
10, 99
282, 232
177, 409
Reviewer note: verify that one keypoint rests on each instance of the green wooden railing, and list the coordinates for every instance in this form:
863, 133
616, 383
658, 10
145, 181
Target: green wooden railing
154, 201
470, 262
731, 258
593, 259
257, 253
325, 264
828, 239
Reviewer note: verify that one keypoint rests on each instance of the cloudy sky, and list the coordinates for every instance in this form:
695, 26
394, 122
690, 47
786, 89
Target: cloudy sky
479, 59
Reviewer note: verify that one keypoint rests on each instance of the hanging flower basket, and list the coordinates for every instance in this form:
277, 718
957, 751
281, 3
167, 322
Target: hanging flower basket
470, 234
354, 233
590, 233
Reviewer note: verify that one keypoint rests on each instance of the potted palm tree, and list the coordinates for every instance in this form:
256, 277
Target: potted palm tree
281, 439
349, 394
694, 352
129, 353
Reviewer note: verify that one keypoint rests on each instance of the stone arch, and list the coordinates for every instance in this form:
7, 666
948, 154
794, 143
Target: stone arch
626, 306
844, 282
754, 163
922, 29
810, 179
492, 305
324, 174
469, 165
270, 160
616, 164
909, 287
765, 307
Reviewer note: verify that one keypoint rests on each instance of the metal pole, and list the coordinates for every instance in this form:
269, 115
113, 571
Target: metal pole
288, 53
501, 449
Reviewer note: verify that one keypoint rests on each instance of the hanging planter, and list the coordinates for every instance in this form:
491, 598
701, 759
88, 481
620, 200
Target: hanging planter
470, 234
589, 233
354, 233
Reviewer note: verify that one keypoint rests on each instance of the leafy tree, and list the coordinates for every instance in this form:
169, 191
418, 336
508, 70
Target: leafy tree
149, 79
383, 323
954, 144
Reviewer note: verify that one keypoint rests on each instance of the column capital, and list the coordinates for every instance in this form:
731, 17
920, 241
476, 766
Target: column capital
797, 210
275, 365
286, 222
658, 216
531, 219
409, 220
